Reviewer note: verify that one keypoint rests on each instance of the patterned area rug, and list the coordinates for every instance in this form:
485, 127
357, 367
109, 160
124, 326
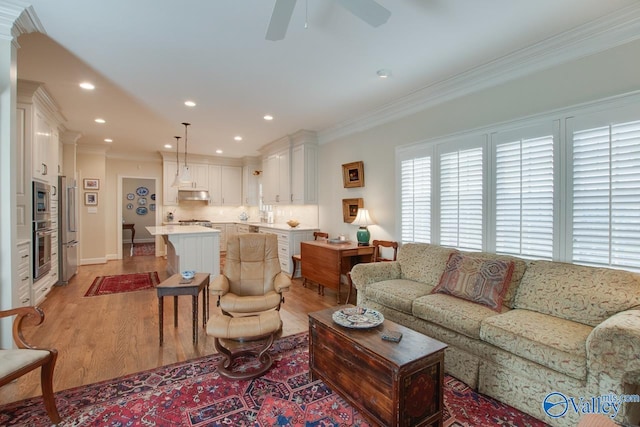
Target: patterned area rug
194, 394
144, 249
105, 285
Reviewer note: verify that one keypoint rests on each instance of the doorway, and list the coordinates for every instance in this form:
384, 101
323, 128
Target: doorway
137, 211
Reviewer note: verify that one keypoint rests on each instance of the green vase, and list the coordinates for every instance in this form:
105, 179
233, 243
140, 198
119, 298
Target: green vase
363, 236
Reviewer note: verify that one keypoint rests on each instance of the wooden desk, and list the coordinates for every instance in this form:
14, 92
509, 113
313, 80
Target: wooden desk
131, 227
324, 262
173, 287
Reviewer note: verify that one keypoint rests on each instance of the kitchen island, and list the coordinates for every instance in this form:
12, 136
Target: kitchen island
190, 247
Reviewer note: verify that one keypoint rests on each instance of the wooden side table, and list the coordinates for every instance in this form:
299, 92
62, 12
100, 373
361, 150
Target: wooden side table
131, 227
173, 287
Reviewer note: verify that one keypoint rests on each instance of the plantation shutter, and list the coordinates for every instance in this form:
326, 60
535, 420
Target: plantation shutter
524, 194
461, 194
606, 195
415, 176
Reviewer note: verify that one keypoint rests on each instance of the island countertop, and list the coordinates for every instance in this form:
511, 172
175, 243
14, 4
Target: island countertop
169, 230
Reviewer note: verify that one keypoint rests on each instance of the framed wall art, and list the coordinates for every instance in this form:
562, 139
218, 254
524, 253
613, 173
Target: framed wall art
91, 199
91, 184
350, 209
353, 174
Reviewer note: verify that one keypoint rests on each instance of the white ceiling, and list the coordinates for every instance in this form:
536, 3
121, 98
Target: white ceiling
146, 57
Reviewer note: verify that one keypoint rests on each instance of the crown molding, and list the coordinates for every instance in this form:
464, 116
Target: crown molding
17, 18
612, 30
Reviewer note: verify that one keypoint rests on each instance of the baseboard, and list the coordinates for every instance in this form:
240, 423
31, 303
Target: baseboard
89, 261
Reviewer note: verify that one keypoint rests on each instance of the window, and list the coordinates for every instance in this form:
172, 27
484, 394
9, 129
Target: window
416, 199
524, 197
461, 199
606, 195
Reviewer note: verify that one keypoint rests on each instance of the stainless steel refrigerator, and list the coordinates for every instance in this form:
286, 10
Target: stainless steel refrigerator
67, 221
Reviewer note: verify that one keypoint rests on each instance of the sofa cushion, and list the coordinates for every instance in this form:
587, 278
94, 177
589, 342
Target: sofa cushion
423, 262
480, 280
453, 313
519, 267
553, 342
583, 294
398, 294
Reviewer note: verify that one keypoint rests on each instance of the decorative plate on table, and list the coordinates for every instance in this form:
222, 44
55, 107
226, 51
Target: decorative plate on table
142, 210
358, 317
131, 196
142, 191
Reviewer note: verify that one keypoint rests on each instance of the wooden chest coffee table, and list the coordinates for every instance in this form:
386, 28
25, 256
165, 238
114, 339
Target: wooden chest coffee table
392, 384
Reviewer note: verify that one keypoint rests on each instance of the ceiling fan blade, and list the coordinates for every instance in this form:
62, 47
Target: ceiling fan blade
282, 11
368, 10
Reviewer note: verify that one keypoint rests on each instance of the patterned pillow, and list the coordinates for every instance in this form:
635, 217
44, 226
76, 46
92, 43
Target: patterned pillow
483, 281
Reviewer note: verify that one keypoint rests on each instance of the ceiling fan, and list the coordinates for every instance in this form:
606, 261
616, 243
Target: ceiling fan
368, 10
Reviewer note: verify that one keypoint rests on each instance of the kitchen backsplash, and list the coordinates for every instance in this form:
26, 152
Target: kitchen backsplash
306, 214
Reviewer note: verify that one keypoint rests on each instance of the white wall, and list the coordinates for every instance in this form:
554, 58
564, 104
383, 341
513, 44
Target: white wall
598, 76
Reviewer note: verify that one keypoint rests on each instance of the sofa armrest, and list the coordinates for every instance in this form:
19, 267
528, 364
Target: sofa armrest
282, 283
613, 346
366, 273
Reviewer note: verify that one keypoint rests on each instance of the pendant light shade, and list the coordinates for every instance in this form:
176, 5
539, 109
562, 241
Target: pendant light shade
185, 174
176, 180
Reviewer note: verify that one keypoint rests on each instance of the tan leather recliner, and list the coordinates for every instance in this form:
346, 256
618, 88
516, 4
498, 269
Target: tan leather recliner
252, 281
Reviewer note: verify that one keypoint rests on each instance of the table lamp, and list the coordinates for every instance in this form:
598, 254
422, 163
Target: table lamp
363, 219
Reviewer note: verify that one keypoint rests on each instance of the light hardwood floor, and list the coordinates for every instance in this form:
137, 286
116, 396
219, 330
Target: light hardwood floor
104, 337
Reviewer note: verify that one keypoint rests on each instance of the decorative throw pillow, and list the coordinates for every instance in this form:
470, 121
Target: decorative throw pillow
483, 281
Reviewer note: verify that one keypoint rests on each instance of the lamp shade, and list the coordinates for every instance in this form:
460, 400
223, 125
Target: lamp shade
362, 218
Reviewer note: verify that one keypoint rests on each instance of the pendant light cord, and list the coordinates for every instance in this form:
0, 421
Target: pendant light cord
186, 126
177, 156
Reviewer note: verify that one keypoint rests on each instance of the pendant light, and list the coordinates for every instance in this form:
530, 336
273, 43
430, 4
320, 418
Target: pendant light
176, 181
185, 174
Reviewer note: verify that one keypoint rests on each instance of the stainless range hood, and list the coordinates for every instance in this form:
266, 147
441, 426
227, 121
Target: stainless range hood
193, 195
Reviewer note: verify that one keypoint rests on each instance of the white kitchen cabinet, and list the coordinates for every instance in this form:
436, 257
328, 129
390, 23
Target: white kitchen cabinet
276, 185
24, 274
225, 185
242, 228
304, 174
169, 193
288, 244
250, 186
231, 178
199, 176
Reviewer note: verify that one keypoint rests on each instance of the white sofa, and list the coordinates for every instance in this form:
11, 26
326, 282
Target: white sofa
562, 328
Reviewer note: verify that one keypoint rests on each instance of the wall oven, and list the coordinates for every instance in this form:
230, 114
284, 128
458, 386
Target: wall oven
42, 233
41, 201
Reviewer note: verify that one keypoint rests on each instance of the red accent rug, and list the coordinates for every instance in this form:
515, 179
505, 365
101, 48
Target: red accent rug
105, 285
194, 394
144, 249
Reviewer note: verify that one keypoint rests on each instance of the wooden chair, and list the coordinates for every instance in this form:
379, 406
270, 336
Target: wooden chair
14, 363
297, 258
376, 258
385, 244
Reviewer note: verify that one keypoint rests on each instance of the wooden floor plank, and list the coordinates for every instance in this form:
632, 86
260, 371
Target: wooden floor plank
104, 337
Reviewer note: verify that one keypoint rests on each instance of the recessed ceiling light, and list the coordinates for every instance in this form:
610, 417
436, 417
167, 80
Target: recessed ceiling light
168, 146
237, 138
218, 151
108, 140
383, 73
87, 86
189, 103
101, 121
268, 117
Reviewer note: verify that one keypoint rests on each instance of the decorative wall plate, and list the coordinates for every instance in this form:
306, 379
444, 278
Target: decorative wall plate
129, 205
131, 196
152, 207
142, 191
142, 210
153, 196
358, 317
142, 201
